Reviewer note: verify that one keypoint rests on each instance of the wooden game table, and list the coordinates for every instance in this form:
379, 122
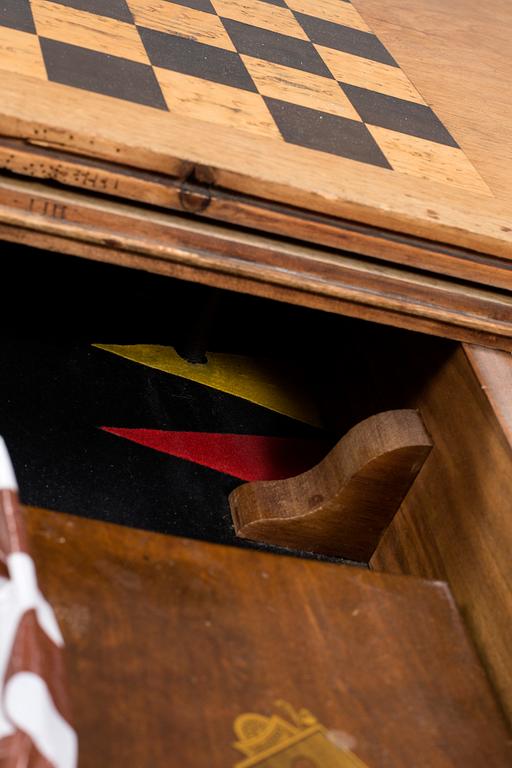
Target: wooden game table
350, 157
324, 153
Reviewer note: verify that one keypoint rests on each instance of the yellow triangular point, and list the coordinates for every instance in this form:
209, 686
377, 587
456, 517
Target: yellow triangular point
258, 380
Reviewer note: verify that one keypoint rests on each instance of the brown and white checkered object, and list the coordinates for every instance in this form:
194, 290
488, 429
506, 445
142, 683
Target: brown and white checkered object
310, 73
35, 730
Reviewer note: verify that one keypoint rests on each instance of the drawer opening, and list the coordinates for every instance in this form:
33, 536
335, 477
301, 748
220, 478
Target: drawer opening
91, 418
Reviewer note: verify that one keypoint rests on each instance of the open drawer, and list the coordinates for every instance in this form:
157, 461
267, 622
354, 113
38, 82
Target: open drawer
105, 420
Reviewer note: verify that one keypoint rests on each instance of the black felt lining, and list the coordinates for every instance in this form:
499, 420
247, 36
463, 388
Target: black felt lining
57, 395
56, 390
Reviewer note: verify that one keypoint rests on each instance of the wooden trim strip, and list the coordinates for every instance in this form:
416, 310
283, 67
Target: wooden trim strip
493, 369
205, 200
208, 253
455, 524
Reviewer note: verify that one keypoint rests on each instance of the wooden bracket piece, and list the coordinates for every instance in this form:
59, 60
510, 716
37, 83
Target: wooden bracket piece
342, 506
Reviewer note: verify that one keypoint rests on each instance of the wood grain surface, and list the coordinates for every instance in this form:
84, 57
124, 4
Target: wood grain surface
199, 61
157, 141
455, 524
194, 192
435, 43
342, 506
494, 373
225, 257
170, 640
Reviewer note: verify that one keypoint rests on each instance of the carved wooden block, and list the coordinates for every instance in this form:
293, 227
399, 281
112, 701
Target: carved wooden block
342, 506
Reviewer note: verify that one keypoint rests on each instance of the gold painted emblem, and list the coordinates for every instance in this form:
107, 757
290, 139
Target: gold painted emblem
295, 741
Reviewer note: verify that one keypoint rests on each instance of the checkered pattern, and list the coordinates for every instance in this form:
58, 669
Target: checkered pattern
309, 72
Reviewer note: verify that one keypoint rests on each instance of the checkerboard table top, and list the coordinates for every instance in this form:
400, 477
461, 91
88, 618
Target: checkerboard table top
304, 85
306, 72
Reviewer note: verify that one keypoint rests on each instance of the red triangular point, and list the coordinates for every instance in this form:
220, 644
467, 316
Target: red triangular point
248, 457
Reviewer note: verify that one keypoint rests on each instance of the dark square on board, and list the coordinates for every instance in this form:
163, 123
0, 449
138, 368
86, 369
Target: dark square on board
398, 115
101, 73
272, 46
347, 39
17, 14
197, 59
326, 133
197, 5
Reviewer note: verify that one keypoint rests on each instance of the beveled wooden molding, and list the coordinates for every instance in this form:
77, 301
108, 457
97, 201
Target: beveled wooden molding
342, 506
205, 252
195, 191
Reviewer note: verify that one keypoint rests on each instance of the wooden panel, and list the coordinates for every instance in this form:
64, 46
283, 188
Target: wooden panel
170, 641
460, 60
240, 261
455, 524
494, 372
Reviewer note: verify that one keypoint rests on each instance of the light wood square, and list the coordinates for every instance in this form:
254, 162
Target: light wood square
336, 11
299, 87
372, 75
20, 52
216, 103
260, 14
87, 30
428, 160
179, 20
